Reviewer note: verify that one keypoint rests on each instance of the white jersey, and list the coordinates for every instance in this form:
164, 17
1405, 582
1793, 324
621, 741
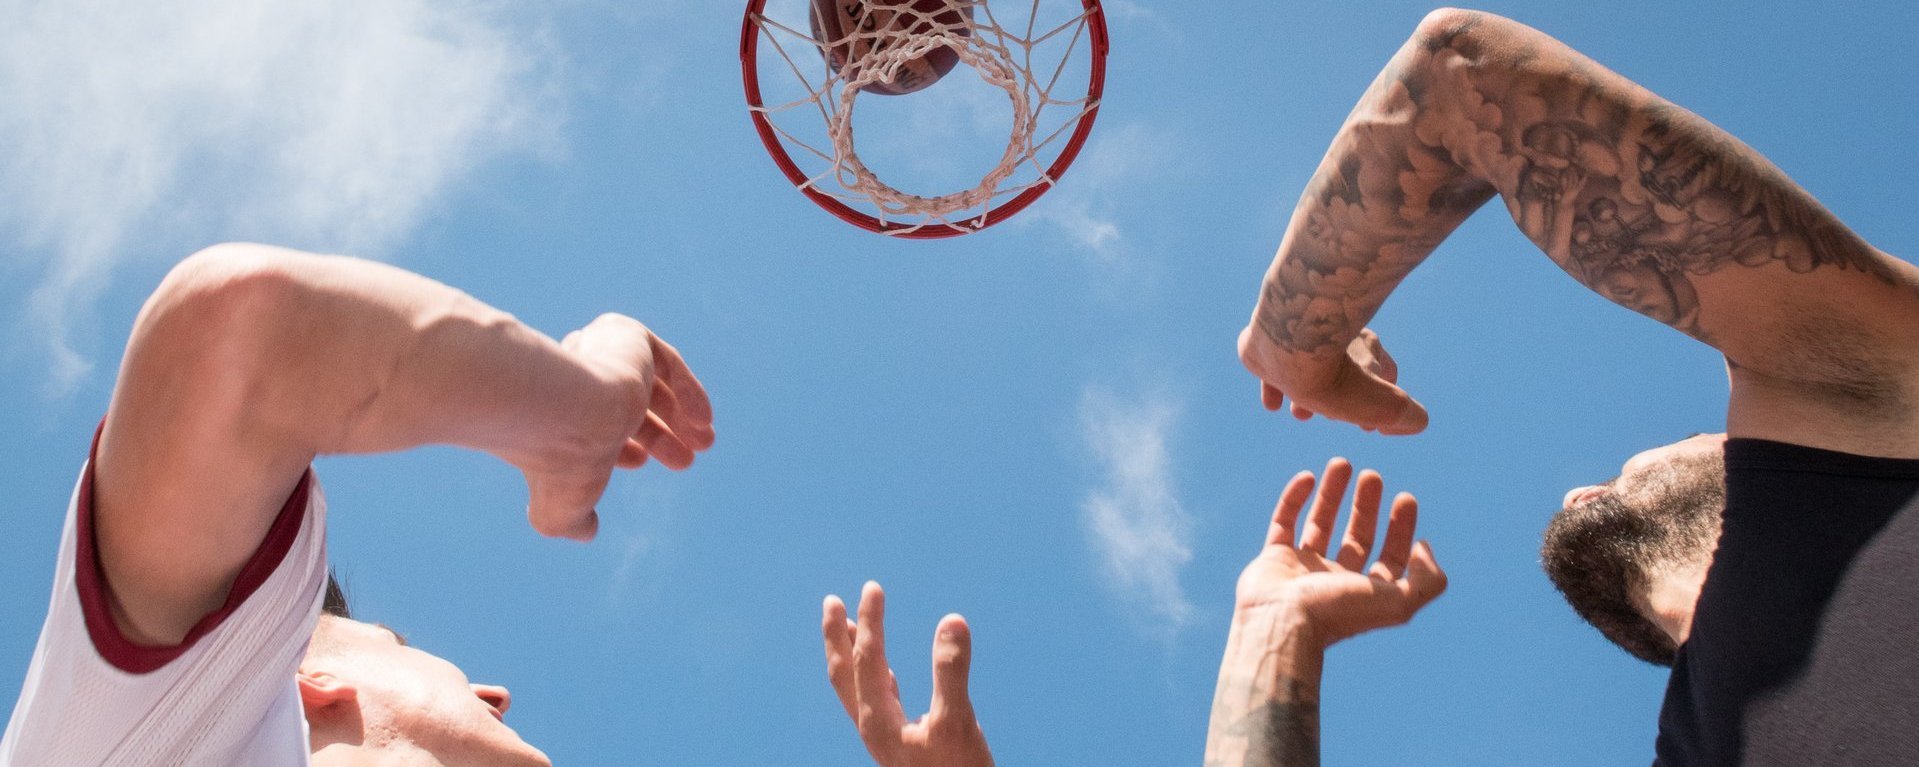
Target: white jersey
224, 696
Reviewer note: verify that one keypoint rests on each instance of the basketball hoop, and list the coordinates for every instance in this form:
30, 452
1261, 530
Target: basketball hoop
810, 136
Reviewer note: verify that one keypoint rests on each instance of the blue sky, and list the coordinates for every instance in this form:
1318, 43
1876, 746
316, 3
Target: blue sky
946, 417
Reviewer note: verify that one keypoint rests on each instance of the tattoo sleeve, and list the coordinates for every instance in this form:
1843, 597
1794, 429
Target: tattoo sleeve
1282, 731
1634, 197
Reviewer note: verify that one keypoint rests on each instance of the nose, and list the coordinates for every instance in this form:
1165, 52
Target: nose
495, 696
1573, 495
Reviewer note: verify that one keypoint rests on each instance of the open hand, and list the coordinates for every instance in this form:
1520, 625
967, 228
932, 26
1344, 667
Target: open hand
1359, 387
1340, 596
948, 735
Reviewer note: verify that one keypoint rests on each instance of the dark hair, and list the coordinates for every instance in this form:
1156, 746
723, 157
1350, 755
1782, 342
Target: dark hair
1602, 553
335, 602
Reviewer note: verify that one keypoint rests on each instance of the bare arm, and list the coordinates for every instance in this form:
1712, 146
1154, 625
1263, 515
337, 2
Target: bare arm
1266, 706
1300, 596
1638, 199
249, 361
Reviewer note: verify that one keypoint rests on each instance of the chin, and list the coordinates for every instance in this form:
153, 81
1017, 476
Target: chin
510, 749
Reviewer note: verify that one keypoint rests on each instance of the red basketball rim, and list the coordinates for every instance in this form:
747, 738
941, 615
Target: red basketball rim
749, 65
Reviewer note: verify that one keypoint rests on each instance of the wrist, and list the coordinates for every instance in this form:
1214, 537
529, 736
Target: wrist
1272, 652
573, 411
1267, 626
609, 406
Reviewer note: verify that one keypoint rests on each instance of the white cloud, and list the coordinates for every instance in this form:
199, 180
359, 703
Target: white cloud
1133, 517
135, 130
1086, 207
633, 553
639, 523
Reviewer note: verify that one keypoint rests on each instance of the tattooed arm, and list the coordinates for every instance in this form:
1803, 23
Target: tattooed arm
1266, 707
1636, 198
1293, 602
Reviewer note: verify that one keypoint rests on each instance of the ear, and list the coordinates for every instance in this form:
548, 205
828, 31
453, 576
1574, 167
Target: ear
320, 690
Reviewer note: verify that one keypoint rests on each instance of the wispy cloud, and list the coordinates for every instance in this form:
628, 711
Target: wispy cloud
633, 552
1088, 205
1133, 516
640, 523
134, 129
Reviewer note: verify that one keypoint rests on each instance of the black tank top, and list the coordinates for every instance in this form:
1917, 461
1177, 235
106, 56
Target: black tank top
1805, 644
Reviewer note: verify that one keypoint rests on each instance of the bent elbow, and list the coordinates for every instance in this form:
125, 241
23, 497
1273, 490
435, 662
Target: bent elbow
211, 323
221, 292
1443, 24
1478, 39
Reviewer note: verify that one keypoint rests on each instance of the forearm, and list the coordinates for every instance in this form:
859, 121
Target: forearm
400, 361
1380, 202
1643, 202
351, 356
1266, 705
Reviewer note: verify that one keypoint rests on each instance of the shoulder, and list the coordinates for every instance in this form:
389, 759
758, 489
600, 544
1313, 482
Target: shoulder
96, 696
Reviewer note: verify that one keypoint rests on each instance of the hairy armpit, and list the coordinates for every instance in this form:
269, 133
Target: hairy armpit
1839, 360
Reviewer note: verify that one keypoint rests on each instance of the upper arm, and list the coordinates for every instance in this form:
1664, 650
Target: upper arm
187, 478
1664, 213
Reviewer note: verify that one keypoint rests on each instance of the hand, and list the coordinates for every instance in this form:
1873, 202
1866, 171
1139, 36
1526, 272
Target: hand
677, 419
1340, 597
1359, 387
948, 736
667, 417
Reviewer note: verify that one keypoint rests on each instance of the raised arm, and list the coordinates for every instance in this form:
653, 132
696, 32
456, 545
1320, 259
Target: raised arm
1636, 198
249, 361
1299, 597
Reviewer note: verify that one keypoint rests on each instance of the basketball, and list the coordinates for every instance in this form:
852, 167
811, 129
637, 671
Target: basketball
850, 29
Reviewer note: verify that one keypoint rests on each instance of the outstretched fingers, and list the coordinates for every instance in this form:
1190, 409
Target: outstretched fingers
1363, 523
1402, 522
952, 659
1282, 530
1319, 522
838, 633
1408, 566
879, 713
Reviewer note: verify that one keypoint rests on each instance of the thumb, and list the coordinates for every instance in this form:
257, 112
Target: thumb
952, 659
1360, 397
564, 508
1425, 580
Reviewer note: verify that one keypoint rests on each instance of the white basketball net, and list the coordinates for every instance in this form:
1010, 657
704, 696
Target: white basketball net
999, 56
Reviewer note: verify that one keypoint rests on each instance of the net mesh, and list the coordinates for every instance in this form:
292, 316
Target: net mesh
1046, 102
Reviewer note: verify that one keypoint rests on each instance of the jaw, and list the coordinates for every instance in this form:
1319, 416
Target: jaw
1670, 597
